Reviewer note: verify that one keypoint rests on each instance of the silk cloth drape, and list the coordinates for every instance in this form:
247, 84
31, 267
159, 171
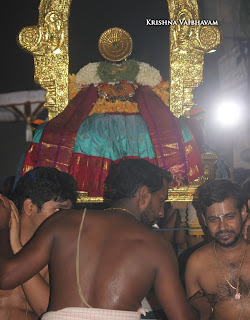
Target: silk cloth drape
85, 146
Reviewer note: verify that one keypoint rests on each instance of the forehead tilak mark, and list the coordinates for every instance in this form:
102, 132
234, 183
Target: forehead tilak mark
220, 212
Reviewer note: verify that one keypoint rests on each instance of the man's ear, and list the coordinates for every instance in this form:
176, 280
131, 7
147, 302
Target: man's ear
28, 207
204, 219
244, 213
144, 196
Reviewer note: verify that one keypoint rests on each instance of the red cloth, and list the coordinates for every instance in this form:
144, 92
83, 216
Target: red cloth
30, 159
91, 172
166, 137
193, 156
56, 145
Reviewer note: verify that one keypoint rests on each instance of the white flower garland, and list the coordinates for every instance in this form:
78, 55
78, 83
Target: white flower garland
147, 75
88, 74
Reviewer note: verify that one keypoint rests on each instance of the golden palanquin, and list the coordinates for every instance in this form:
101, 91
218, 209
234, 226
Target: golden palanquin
48, 42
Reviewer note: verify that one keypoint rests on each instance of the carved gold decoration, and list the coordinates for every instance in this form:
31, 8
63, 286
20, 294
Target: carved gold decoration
84, 198
188, 44
115, 44
48, 42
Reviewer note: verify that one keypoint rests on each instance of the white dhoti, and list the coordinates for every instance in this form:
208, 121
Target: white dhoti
90, 314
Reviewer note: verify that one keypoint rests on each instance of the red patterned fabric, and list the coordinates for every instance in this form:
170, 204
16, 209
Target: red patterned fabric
183, 160
57, 142
91, 172
194, 162
30, 159
56, 145
164, 132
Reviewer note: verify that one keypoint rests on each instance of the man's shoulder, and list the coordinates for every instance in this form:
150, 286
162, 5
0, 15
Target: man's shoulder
201, 254
60, 219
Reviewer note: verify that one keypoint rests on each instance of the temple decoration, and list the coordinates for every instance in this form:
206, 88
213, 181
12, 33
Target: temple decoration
115, 44
188, 44
48, 42
123, 88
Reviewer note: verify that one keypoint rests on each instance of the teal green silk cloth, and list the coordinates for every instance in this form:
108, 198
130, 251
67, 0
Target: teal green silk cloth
111, 136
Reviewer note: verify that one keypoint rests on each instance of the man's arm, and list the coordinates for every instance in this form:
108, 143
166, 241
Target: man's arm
37, 292
194, 291
170, 292
37, 289
191, 276
14, 270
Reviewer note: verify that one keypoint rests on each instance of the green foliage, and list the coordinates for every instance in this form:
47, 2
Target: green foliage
111, 72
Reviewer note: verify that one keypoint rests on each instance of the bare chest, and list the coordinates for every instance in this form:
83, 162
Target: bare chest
12, 298
228, 290
13, 306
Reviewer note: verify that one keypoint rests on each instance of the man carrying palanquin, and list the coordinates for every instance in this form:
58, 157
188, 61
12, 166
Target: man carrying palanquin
103, 263
221, 268
39, 194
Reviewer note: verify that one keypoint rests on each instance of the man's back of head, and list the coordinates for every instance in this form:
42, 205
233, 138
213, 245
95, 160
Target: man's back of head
127, 176
43, 184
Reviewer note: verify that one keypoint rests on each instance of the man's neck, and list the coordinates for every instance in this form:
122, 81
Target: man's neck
26, 229
126, 206
232, 251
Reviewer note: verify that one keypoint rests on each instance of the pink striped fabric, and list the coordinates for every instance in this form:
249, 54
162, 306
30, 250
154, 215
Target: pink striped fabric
90, 314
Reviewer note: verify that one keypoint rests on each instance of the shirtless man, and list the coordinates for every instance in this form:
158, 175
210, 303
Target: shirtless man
221, 268
39, 193
246, 197
103, 263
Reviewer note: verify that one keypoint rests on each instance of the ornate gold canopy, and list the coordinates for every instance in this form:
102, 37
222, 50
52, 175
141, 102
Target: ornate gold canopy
48, 43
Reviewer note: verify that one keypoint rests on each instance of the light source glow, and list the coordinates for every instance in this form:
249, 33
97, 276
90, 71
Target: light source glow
228, 113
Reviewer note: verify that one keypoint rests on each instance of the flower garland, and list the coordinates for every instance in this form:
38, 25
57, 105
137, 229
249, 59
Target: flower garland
88, 75
148, 75
130, 70
110, 72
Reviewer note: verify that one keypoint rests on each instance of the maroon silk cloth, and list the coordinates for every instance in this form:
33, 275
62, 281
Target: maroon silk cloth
91, 172
56, 145
166, 137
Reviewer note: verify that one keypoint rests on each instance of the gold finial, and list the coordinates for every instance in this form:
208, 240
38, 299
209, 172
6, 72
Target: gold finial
115, 44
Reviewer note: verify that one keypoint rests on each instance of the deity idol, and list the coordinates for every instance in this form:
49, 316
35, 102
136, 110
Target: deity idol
118, 109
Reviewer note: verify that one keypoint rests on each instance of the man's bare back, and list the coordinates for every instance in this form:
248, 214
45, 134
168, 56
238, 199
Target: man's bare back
120, 261
121, 254
120, 257
205, 273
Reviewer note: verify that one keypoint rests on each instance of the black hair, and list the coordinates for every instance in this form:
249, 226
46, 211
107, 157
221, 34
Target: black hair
245, 189
127, 176
218, 190
43, 184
